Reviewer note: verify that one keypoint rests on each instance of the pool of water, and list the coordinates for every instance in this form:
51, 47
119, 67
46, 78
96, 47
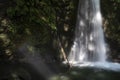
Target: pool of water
88, 73
102, 65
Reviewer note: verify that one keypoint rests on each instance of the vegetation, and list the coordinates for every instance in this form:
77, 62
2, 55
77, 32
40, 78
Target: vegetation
46, 23
40, 22
110, 11
47, 27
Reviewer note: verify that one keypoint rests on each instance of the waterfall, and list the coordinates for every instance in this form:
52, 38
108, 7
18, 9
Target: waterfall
89, 47
89, 44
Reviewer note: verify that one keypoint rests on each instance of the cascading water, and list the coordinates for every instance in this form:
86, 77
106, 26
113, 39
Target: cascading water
89, 48
89, 44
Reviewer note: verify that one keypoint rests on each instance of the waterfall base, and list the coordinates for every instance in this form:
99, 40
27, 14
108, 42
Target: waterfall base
101, 65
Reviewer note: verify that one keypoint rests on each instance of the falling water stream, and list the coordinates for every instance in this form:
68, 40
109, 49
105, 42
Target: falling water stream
89, 47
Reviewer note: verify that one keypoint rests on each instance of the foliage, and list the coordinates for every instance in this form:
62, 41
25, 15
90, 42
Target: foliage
48, 25
43, 22
32, 11
37, 22
110, 11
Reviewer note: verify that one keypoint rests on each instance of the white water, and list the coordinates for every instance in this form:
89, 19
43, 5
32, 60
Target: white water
89, 48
